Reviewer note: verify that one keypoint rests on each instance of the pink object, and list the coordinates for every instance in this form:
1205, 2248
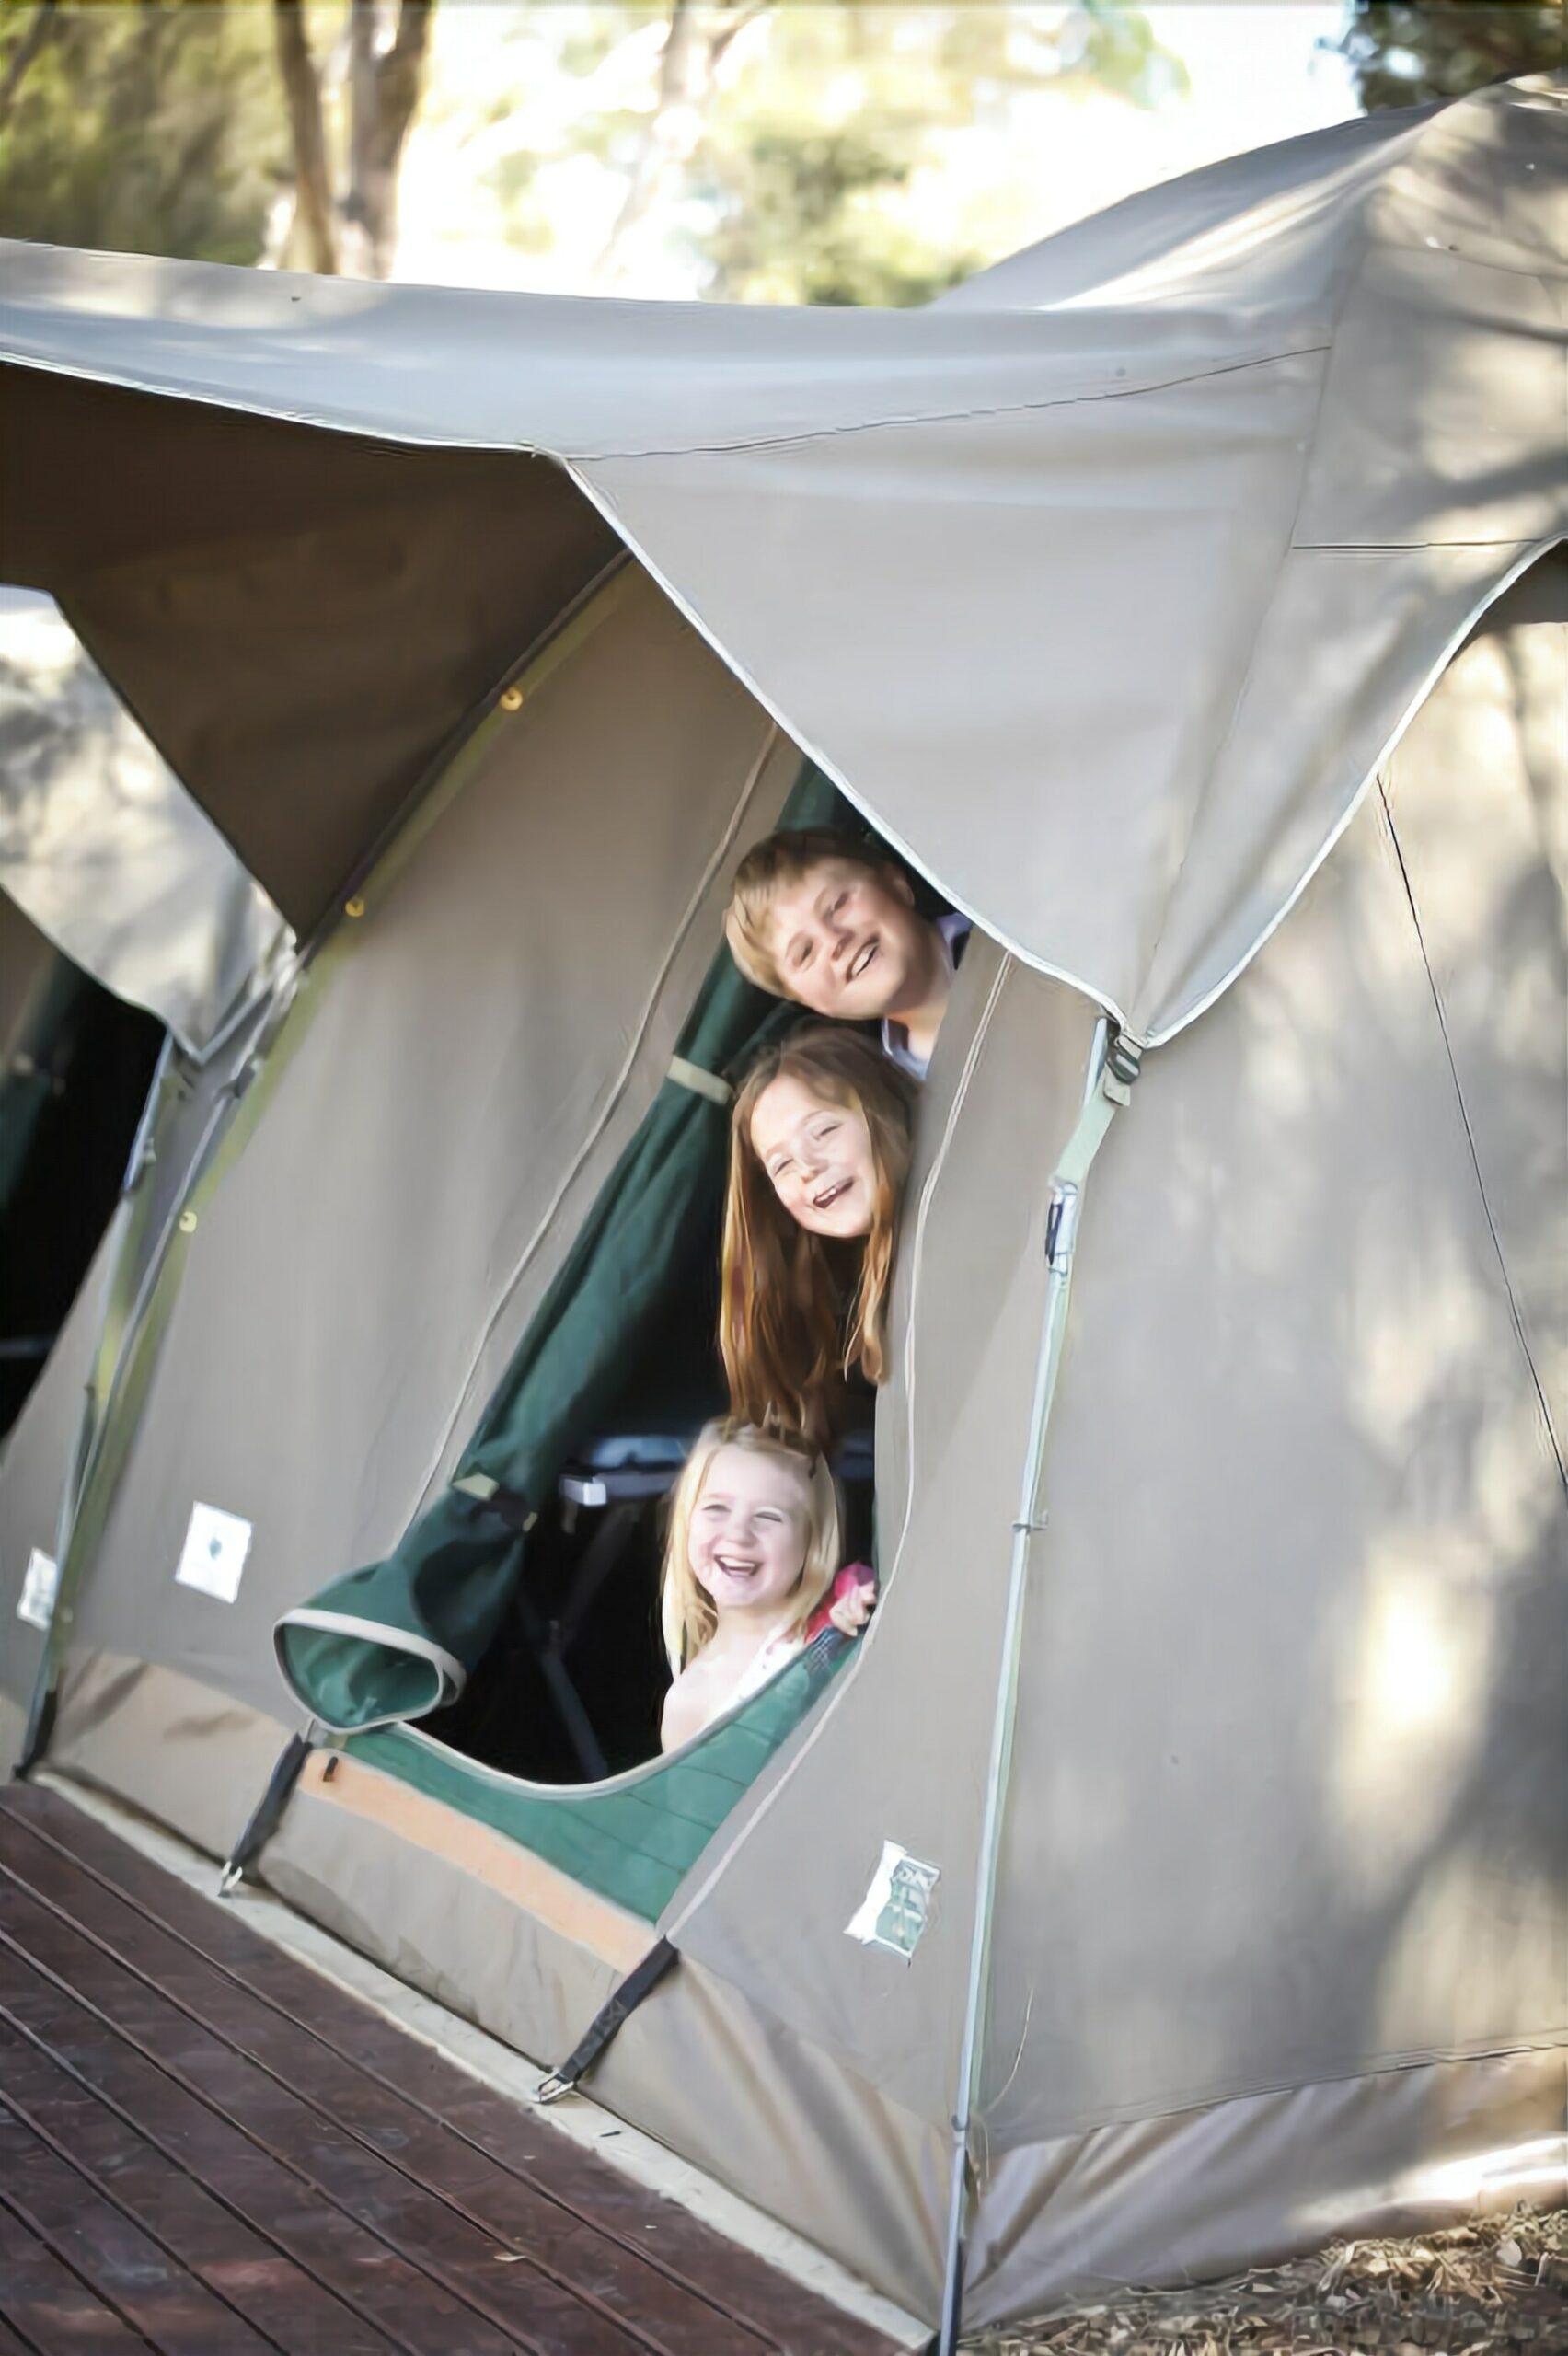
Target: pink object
852, 1575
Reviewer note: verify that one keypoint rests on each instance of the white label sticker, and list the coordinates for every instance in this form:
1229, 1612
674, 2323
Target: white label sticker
215, 1547
40, 1585
897, 1906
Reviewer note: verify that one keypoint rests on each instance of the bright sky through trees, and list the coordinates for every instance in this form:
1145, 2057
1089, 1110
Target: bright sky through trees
536, 118
763, 151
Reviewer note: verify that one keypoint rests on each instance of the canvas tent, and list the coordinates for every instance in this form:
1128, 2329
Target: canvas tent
126, 924
1116, 592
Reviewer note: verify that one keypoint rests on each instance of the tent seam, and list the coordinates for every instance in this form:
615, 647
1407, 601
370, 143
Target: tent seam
1352, 279
1461, 2055
937, 417
1393, 547
1470, 1139
919, 1240
623, 1081
1532, 553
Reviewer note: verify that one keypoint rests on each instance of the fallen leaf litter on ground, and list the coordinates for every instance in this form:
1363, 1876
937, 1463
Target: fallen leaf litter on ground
1483, 2289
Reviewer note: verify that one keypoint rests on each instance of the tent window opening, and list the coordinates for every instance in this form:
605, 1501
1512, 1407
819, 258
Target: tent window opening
509, 1651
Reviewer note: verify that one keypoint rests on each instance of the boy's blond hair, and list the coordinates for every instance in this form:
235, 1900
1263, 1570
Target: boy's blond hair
769, 867
686, 1608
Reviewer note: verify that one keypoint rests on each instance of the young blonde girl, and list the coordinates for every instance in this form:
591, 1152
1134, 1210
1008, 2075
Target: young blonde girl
751, 1556
819, 1153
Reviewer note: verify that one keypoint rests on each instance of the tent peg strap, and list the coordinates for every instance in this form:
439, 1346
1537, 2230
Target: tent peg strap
268, 1813
606, 2021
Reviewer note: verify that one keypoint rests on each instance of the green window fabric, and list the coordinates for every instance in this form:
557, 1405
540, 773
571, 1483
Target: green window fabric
635, 1839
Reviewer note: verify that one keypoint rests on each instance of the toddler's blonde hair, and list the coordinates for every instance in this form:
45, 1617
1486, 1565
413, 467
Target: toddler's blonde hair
685, 1608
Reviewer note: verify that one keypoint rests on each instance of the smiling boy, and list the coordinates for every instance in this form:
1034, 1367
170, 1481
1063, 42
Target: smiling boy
813, 918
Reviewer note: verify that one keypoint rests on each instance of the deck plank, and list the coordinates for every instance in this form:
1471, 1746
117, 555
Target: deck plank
222, 2249
739, 2286
264, 2156
411, 2216
40, 2296
123, 2265
511, 2212
12, 2343
372, 2278
347, 2189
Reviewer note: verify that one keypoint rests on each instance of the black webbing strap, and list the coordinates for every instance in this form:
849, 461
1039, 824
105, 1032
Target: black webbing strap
606, 2021
819, 1656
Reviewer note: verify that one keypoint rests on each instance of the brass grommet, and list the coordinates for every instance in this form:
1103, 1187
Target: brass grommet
510, 699
354, 908
188, 1222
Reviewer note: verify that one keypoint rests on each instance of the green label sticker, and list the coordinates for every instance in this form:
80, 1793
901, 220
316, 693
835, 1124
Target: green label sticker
895, 1909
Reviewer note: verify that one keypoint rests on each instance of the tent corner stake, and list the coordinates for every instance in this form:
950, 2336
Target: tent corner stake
1113, 1068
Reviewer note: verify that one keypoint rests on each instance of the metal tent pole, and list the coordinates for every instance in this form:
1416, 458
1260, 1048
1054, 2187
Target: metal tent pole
41, 1705
1113, 1066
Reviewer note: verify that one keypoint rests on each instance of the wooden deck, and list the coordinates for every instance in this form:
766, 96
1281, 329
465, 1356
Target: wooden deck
206, 2149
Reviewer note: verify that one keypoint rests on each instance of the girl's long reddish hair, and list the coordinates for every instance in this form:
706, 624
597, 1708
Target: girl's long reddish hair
787, 1335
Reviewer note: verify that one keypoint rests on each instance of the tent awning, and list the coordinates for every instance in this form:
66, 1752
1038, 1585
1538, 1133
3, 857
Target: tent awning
1103, 588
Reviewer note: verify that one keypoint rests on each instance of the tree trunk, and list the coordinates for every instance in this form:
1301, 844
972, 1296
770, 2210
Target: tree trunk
687, 66
22, 56
280, 223
384, 96
666, 143
302, 91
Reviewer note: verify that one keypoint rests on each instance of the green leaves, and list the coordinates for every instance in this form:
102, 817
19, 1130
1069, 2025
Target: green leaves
147, 130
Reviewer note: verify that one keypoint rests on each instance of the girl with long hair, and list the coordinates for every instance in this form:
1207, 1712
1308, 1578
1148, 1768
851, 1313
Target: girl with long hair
819, 1153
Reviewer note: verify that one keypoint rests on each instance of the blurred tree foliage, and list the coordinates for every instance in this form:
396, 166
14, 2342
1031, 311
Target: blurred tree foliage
149, 128
812, 170
1405, 53
781, 150
786, 146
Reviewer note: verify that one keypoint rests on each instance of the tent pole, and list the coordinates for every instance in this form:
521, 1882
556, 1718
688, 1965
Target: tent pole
1113, 1066
45, 1691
